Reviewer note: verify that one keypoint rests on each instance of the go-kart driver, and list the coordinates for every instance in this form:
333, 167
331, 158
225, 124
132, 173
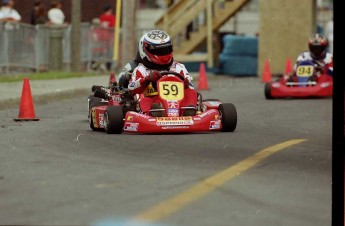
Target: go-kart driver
156, 52
318, 54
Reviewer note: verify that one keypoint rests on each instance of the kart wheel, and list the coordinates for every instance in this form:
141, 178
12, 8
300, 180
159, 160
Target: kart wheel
94, 102
229, 117
268, 91
91, 118
113, 119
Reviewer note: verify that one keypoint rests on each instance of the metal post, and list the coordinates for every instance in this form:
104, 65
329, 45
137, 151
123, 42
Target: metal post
210, 61
75, 47
7, 54
128, 44
117, 32
55, 48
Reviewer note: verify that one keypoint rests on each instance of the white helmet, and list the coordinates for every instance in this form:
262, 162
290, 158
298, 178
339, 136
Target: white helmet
156, 46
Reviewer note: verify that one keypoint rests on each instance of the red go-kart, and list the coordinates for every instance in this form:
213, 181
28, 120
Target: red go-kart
123, 114
305, 83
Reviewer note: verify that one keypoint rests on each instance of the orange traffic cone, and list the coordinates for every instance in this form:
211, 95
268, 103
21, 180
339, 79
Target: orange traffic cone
202, 82
26, 110
266, 75
112, 79
288, 66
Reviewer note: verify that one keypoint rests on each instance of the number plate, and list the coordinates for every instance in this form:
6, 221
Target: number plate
305, 71
169, 90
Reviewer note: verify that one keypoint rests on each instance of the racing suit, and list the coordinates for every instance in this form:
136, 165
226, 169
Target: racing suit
126, 72
136, 86
324, 65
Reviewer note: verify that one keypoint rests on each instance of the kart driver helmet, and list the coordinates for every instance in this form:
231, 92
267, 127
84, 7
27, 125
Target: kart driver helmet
317, 46
156, 46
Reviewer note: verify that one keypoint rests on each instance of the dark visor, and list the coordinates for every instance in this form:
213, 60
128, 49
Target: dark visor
160, 50
317, 50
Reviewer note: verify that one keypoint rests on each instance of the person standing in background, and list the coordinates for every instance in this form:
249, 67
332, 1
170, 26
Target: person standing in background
107, 20
8, 13
38, 14
55, 14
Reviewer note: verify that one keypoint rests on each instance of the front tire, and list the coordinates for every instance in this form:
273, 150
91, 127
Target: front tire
229, 117
113, 120
268, 91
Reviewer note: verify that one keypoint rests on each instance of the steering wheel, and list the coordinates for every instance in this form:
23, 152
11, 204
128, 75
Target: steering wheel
174, 73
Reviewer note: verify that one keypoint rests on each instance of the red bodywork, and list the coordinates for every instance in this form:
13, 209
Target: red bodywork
206, 121
281, 89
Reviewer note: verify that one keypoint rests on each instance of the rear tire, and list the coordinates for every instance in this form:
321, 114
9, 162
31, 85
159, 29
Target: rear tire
268, 91
113, 120
91, 118
229, 117
92, 99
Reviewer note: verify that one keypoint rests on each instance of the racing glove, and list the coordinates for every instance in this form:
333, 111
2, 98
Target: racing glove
128, 75
153, 76
318, 71
186, 83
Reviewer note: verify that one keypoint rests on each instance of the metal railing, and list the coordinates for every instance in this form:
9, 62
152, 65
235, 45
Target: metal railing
24, 47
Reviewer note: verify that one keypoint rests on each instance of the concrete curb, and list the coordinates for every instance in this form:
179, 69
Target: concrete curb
46, 98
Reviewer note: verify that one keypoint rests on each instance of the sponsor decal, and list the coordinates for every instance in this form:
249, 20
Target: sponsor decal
150, 91
175, 127
132, 84
171, 121
210, 112
129, 118
93, 115
101, 120
172, 112
157, 35
215, 124
140, 115
172, 104
130, 126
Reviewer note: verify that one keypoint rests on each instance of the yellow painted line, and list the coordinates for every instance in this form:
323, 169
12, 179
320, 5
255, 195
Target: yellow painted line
179, 201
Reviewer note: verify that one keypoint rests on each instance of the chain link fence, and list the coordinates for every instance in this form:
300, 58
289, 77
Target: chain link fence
27, 48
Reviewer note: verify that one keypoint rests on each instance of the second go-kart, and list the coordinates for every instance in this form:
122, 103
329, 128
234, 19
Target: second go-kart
306, 83
123, 114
